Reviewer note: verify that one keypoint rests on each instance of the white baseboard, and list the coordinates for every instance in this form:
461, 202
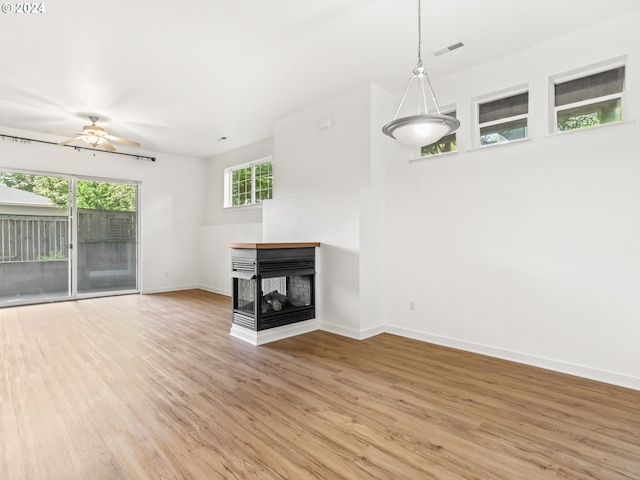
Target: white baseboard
175, 288
226, 293
590, 373
372, 332
273, 334
352, 333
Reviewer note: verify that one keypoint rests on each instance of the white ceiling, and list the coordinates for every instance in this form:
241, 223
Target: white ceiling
177, 76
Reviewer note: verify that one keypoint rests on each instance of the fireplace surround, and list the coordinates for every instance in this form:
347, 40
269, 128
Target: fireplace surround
273, 284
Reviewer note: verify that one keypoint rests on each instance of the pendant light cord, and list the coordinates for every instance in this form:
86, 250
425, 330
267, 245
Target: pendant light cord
419, 33
424, 76
420, 74
423, 128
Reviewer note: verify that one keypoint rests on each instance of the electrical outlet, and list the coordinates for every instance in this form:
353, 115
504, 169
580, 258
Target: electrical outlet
412, 305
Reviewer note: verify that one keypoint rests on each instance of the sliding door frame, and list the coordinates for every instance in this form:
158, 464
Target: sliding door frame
72, 251
105, 293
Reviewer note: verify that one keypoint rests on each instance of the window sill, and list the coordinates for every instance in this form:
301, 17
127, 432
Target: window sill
501, 144
252, 206
432, 157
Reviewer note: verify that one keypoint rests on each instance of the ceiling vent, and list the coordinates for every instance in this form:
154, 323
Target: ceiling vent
448, 49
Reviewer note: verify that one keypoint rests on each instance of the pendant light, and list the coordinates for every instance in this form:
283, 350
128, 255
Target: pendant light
424, 128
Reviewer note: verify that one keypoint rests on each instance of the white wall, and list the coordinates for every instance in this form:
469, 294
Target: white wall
215, 213
171, 202
321, 177
324, 181
373, 199
331, 219
527, 251
215, 254
225, 225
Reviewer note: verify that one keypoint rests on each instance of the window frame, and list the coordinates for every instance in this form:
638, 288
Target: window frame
583, 73
492, 97
228, 177
445, 111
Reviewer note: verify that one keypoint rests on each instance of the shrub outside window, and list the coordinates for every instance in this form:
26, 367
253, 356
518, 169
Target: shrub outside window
263, 181
504, 119
249, 184
589, 100
444, 145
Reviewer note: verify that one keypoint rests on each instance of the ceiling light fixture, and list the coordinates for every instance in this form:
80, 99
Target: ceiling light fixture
93, 134
424, 128
93, 139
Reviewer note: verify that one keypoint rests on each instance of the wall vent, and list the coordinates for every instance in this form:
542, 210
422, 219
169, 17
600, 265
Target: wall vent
448, 49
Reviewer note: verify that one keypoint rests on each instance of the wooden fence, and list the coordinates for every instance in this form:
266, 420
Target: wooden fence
30, 238
25, 238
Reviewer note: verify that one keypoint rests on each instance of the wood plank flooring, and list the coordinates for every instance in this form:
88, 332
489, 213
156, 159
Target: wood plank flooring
153, 387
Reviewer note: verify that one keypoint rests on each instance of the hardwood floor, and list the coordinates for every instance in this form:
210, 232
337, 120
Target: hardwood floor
153, 387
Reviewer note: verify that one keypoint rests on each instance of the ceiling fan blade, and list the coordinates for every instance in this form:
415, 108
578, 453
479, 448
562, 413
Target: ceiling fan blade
107, 146
123, 140
65, 131
65, 142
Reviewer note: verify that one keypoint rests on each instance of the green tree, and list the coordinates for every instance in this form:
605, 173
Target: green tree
21, 181
55, 188
244, 179
578, 121
106, 195
445, 144
241, 186
264, 181
89, 194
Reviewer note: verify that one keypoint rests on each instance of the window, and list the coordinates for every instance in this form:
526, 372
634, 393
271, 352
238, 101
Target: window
444, 145
249, 184
589, 100
503, 119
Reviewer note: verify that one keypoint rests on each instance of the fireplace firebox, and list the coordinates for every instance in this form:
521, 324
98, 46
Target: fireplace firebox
273, 284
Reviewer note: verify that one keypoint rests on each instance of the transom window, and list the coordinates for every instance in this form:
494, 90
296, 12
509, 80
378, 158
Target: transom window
249, 184
503, 119
444, 145
589, 100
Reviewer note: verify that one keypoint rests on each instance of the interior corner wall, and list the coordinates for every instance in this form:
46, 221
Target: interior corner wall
215, 254
373, 272
225, 225
526, 251
170, 208
318, 176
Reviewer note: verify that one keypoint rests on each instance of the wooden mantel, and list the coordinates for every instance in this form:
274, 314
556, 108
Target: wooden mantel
265, 246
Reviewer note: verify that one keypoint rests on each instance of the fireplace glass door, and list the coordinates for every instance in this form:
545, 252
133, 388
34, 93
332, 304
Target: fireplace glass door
284, 293
246, 295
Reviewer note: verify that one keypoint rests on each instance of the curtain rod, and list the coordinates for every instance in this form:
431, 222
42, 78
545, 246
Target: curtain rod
29, 140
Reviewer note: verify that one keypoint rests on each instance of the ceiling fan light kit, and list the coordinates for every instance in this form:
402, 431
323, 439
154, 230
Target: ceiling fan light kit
96, 136
93, 140
423, 128
93, 134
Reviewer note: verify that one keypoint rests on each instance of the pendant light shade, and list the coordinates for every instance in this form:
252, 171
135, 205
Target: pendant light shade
421, 130
424, 128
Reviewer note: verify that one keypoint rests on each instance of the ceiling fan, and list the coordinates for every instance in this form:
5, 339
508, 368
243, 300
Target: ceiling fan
96, 136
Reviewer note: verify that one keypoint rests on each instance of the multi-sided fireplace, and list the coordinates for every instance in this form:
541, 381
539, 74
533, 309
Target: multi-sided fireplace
273, 284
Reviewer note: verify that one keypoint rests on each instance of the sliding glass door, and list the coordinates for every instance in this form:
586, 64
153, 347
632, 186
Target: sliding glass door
66, 237
107, 236
34, 238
